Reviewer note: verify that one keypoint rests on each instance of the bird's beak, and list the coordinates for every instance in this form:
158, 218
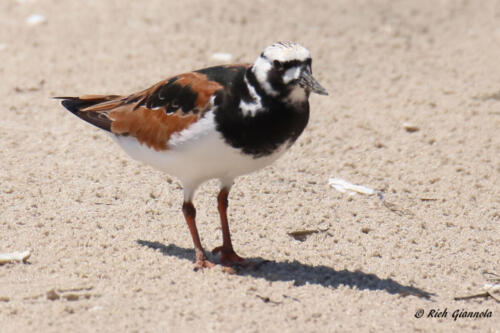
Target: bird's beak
307, 81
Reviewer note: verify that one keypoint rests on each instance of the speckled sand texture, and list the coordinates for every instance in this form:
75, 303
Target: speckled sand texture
413, 112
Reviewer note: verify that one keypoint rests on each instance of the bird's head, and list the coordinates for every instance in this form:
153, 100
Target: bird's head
283, 70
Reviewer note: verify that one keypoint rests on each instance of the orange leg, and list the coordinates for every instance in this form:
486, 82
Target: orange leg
227, 255
190, 216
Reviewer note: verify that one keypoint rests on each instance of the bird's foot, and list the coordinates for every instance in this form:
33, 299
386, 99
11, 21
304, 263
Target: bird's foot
202, 260
203, 263
229, 258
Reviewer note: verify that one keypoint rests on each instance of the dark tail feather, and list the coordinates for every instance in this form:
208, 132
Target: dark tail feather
76, 105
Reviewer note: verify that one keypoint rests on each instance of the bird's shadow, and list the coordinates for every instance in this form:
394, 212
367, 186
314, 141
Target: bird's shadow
302, 274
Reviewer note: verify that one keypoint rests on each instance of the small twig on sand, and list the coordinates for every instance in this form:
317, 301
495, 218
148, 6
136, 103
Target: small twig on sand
491, 289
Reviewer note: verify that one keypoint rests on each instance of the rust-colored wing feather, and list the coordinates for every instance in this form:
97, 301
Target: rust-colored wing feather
152, 115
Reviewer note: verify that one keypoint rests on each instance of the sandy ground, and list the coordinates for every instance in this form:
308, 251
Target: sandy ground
107, 234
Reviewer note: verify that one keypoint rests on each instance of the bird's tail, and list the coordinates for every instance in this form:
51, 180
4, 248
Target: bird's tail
91, 108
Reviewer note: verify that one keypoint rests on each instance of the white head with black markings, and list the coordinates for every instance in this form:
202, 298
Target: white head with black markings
283, 70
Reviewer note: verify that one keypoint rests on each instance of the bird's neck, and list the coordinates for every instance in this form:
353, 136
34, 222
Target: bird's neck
294, 98
255, 88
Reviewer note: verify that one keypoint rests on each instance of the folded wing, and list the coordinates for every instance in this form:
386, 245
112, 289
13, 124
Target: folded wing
152, 115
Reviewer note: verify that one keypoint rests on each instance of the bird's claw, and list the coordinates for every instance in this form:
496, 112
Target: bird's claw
203, 263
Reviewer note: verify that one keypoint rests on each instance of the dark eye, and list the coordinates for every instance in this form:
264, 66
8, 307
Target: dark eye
277, 64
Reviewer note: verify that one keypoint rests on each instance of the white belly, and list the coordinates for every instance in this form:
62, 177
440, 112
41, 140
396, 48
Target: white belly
197, 154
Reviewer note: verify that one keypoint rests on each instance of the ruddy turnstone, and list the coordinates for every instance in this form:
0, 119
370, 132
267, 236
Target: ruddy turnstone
218, 122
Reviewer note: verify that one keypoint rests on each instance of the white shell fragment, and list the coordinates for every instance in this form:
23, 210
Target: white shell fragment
36, 19
14, 256
493, 290
220, 56
344, 186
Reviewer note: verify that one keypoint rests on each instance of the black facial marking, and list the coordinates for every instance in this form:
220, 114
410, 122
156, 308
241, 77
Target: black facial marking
275, 75
292, 63
275, 78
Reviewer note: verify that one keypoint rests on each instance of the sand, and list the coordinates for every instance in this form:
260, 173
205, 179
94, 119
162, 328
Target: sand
413, 113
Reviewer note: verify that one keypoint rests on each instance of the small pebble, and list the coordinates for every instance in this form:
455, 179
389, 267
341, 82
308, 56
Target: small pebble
323, 226
365, 230
95, 308
410, 128
69, 310
71, 297
36, 19
222, 56
52, 295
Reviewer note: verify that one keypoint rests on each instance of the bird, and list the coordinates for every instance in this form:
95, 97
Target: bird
218, 122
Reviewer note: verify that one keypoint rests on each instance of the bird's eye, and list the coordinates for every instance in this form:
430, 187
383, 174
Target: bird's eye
277, 64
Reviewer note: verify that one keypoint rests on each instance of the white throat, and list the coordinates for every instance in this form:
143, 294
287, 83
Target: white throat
297, 96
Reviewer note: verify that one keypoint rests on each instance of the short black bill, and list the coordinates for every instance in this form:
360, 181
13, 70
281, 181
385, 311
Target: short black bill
307, 81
